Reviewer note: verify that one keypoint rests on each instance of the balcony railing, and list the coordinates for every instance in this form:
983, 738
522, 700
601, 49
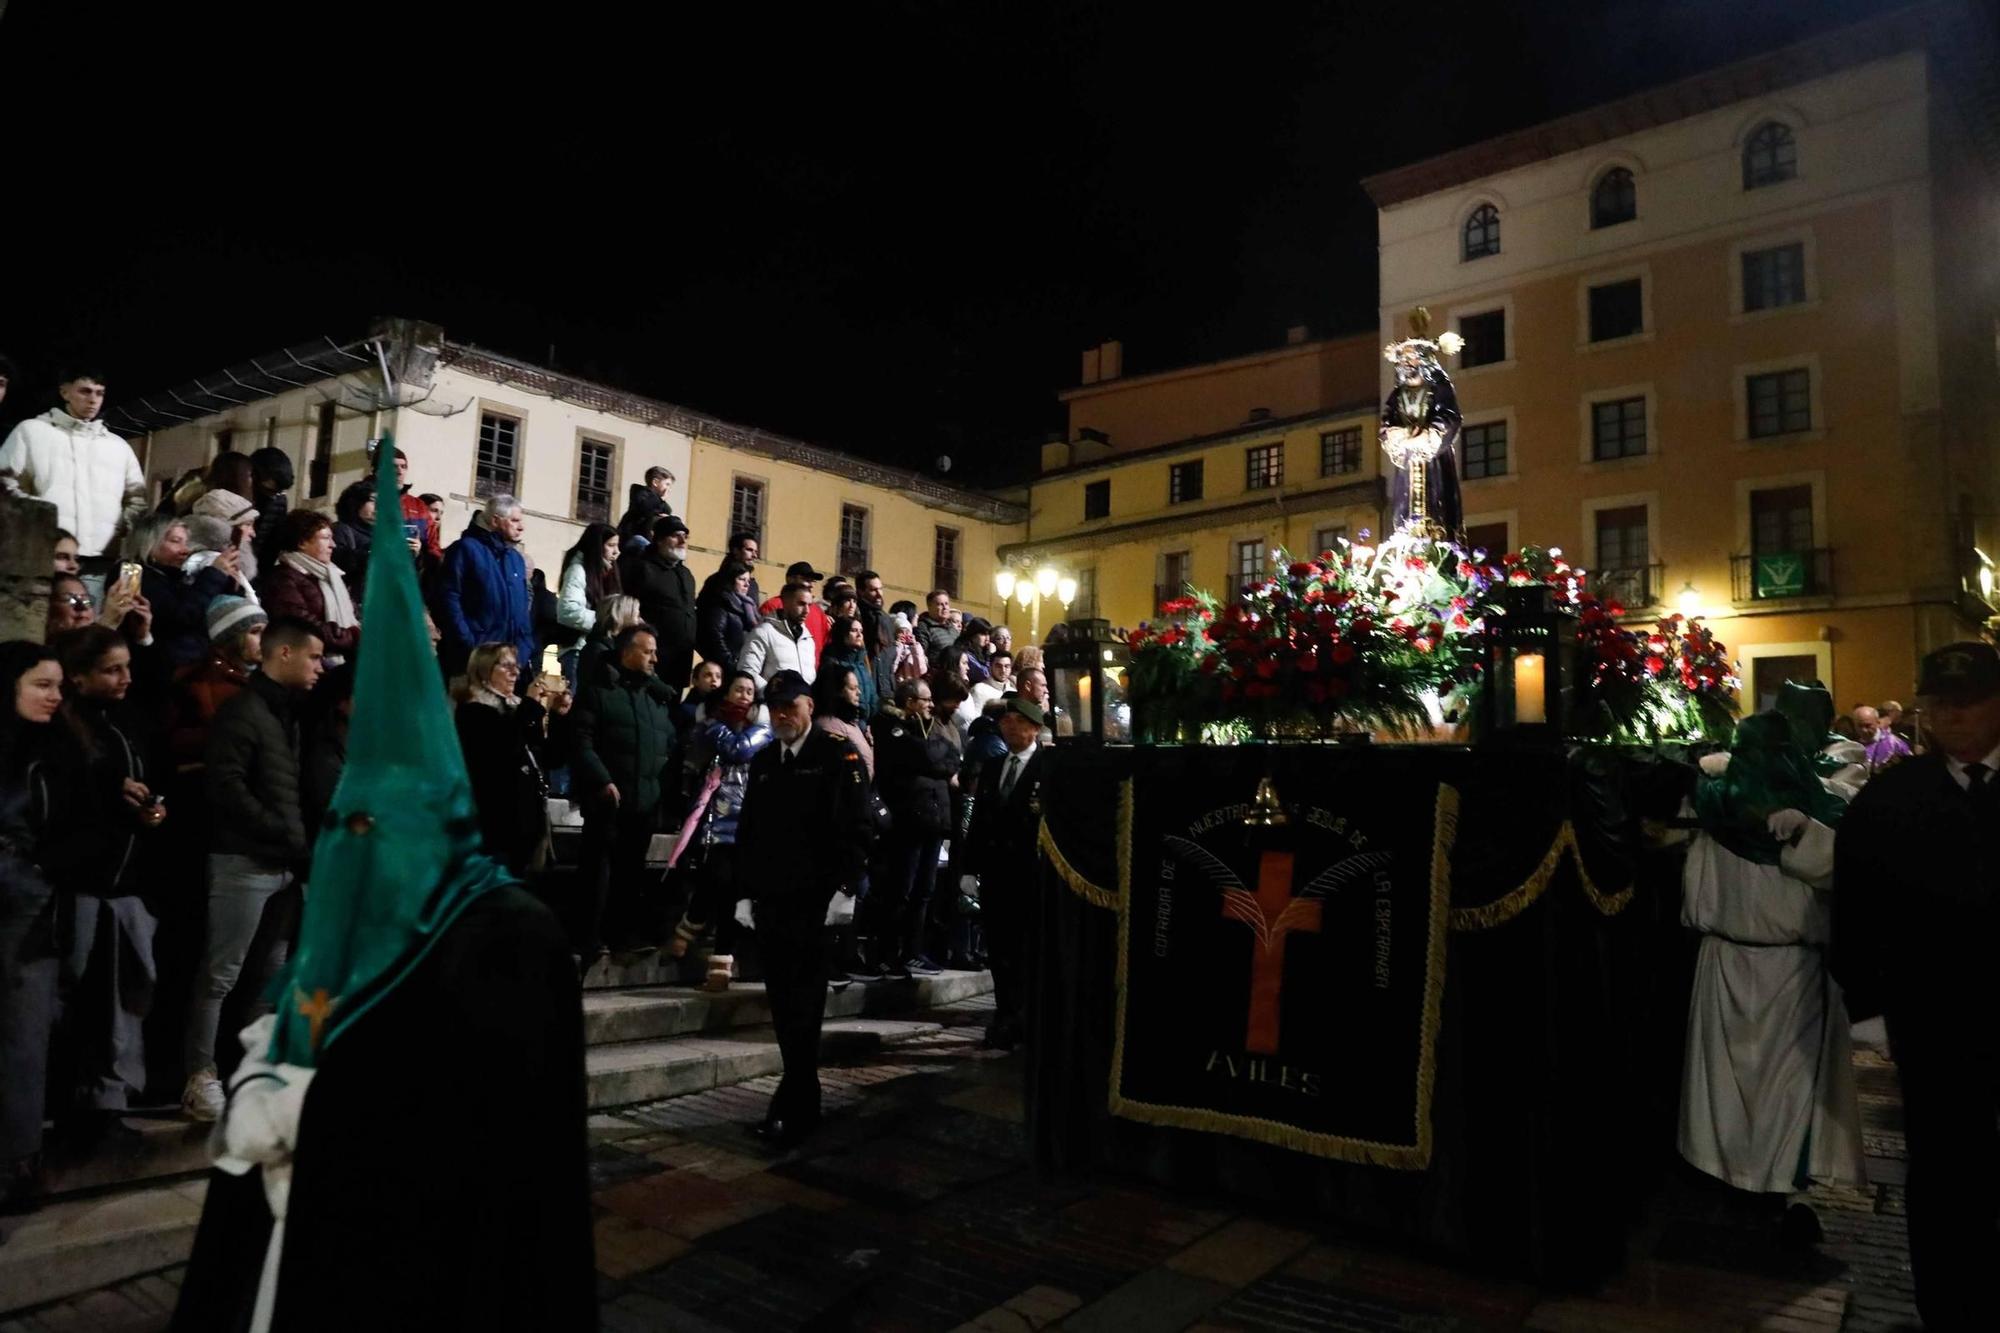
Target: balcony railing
1777, 575
1633, 586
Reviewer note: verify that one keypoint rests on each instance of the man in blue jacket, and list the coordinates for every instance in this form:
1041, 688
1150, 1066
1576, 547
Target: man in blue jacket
483, 593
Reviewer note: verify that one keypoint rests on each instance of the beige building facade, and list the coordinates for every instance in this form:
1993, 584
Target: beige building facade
568, 449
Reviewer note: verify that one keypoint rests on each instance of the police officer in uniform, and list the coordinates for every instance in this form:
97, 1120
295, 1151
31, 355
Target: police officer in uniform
802, 837
1002, 849
1917, 918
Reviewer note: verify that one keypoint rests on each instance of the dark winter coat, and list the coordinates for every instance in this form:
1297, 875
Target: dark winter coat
253, 775
723, 619
290, 592
483, 597
180, 610
913, 771
103, 845
644, 508
351, 540
505, 757
665, 590
627, 735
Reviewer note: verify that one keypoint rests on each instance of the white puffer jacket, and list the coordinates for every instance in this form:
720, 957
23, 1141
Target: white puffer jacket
90, 475
773, 647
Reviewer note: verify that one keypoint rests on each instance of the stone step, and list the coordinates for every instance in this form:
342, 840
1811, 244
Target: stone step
79, 1245
133, 1208
165, 1146
644, 1071
643, 1012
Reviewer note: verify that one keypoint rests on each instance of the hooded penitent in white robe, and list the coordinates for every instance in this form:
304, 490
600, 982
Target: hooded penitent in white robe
1768, 1098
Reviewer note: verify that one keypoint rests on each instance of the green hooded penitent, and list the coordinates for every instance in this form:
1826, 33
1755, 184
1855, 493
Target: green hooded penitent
398, 856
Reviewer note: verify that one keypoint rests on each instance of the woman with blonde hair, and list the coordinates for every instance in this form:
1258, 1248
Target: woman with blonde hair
616, 612
505, 740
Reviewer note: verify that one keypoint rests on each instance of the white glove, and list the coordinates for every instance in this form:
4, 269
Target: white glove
743, 917
1714, 764
840, 909
969, 885
1786, 824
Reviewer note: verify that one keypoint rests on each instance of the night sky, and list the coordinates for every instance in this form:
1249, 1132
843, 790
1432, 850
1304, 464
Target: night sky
886, 228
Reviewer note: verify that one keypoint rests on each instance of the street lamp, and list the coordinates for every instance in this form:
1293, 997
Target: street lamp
1690, 600
1030, 586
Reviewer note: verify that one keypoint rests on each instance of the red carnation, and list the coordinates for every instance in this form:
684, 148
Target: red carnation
1655, 664
1342, 654
1267, 668
1362, 625
1301, 570
1308, 661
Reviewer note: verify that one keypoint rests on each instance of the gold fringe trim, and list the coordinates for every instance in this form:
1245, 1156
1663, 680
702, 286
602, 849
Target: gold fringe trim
1510, 905
1366, 1152
1097, 895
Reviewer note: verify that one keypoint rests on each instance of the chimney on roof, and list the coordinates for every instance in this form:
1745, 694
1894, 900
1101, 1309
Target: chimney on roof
1297, 334
1106, 361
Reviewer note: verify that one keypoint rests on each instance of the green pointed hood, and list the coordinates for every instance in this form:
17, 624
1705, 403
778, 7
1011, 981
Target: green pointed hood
398, 856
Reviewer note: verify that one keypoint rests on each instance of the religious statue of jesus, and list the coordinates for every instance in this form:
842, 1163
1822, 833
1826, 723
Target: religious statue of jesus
1420, 424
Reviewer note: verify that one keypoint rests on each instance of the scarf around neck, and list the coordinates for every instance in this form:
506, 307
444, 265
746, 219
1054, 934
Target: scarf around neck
332, 587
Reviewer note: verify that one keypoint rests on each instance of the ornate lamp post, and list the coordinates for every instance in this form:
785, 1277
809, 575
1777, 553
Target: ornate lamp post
1031, 588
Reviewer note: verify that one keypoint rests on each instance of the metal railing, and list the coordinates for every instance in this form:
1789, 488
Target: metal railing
1633, 586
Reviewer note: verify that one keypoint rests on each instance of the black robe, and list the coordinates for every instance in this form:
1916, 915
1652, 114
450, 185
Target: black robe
442, 1176
1441, 473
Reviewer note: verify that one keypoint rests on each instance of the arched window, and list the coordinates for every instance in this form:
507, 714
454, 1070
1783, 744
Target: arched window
1482, 232
1770, 155
1615, 200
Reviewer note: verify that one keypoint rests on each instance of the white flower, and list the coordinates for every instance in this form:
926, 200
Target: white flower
1449, 343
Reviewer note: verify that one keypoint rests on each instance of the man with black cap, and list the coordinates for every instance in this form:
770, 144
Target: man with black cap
817, 622
1917, 912
801, 838
658, 576
1001, 851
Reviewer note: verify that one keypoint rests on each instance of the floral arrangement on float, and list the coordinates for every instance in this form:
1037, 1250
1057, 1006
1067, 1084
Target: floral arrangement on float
1391, 641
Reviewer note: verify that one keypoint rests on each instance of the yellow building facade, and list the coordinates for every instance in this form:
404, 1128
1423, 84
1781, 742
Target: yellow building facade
569, 449
1193, 476
1727, 349
1730, 345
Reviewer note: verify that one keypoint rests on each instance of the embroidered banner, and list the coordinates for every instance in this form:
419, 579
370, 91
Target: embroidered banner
1282, 983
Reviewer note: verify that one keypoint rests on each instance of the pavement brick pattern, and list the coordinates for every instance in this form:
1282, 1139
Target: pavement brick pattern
915, 1210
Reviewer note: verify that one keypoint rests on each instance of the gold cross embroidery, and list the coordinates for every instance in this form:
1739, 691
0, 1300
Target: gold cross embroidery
315, 1011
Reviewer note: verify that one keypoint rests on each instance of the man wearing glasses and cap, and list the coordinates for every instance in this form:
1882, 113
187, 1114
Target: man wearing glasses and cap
1916, 915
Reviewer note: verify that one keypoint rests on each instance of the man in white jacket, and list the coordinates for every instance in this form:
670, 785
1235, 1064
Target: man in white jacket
782, 642
67, 457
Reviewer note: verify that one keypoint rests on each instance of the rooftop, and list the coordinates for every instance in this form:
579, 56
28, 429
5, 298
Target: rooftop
414, 347
1948, 30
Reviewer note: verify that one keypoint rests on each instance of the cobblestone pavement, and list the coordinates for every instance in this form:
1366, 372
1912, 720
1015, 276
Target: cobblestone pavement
914, 1210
